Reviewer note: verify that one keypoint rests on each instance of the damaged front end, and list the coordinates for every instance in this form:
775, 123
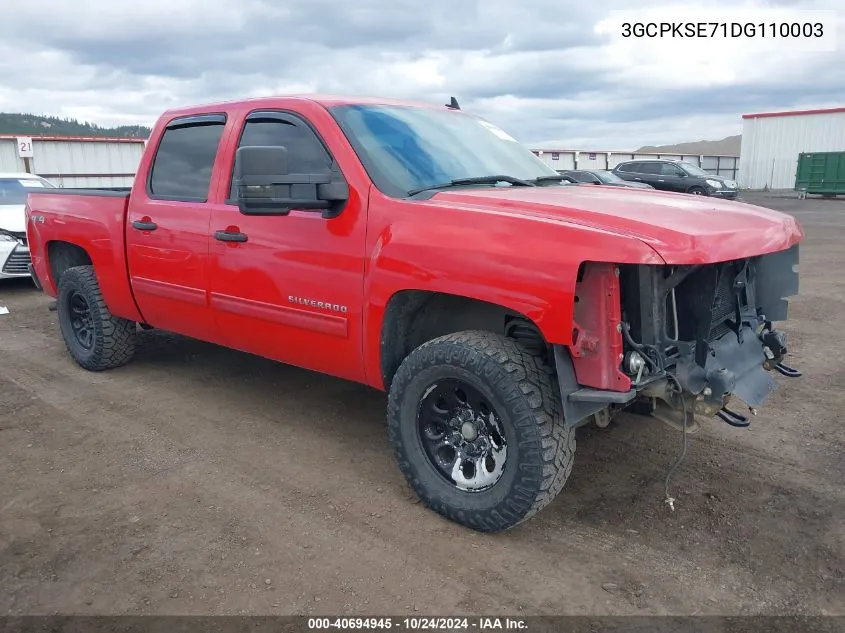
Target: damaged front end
690, 339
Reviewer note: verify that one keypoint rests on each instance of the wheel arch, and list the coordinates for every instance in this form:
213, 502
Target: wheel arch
414, 317
111, 273
62, 255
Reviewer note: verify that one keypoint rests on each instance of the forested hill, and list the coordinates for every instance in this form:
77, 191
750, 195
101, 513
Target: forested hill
36, 125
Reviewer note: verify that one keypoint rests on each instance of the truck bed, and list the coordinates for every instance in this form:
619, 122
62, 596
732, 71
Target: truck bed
92, 218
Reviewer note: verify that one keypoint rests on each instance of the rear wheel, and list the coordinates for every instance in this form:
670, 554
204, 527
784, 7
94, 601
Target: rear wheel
476, 424
95, 339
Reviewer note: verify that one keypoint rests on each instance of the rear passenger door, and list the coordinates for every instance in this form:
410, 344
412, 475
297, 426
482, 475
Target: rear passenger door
648, 171
167, 228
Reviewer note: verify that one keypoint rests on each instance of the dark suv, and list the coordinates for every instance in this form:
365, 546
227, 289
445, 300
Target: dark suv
675, 175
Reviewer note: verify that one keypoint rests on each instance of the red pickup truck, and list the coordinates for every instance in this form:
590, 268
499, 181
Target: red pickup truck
422, 251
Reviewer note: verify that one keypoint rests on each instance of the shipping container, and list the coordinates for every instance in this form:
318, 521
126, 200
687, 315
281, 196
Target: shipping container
821, 173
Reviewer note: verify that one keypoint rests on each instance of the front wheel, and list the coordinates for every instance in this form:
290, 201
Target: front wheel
697, 191
476, 424
95, 338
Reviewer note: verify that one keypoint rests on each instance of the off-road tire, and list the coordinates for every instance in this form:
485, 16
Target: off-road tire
523, 390
113, 337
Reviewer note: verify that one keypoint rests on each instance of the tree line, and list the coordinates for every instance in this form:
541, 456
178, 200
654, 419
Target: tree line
37, 125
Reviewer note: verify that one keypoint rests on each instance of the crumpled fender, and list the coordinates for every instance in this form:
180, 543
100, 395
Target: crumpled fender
527, 266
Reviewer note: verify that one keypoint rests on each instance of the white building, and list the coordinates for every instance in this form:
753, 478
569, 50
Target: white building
771, 142
73, 161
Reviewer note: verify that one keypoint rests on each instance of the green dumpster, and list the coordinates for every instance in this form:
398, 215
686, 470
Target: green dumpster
821, 173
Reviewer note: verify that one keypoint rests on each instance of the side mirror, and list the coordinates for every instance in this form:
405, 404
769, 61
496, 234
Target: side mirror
264, 185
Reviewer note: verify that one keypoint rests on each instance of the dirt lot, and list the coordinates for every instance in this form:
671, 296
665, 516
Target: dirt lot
198, 480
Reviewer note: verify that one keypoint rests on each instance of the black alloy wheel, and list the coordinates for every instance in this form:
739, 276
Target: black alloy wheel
462, 435
81, 320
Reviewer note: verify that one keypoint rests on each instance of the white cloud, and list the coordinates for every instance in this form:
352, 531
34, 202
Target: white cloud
544, 70
738, 45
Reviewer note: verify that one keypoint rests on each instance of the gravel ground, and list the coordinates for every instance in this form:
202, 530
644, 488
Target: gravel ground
199, 480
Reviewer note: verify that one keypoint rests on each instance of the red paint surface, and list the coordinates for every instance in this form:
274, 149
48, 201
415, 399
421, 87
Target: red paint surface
516, 247
597, 350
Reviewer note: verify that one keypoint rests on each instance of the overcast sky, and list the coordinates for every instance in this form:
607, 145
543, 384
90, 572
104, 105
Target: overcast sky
548, 71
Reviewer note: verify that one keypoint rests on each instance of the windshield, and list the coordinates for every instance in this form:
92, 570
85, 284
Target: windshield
580, 176
405, 148
692, 170
607, 176
14, 190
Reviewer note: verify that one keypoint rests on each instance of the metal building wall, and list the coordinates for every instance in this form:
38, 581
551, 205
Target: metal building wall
9, 160
77, 162
727, 166
771, 144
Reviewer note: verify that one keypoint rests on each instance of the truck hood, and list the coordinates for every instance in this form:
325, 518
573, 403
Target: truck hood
681, 228
12, 218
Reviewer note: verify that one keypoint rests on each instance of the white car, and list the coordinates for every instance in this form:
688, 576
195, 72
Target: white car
14, 251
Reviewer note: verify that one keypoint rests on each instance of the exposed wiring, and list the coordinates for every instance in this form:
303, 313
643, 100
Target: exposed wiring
626, 330
657, 366
667, 499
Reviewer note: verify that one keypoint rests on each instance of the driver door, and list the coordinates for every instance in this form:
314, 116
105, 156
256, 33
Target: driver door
672, 177
290, 287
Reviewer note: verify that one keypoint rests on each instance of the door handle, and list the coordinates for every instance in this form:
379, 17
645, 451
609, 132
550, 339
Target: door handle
660, 180
144, 225
226, 236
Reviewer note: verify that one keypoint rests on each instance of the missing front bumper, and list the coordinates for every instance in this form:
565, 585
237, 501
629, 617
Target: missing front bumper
739, 364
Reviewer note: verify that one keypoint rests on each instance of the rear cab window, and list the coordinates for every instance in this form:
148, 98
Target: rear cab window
183, 162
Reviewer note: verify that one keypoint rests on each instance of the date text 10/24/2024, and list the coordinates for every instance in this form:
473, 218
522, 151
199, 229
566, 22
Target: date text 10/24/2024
420, 623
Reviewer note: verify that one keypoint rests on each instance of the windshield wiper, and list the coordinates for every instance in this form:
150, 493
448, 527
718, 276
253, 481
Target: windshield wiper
478, 180
550, 178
